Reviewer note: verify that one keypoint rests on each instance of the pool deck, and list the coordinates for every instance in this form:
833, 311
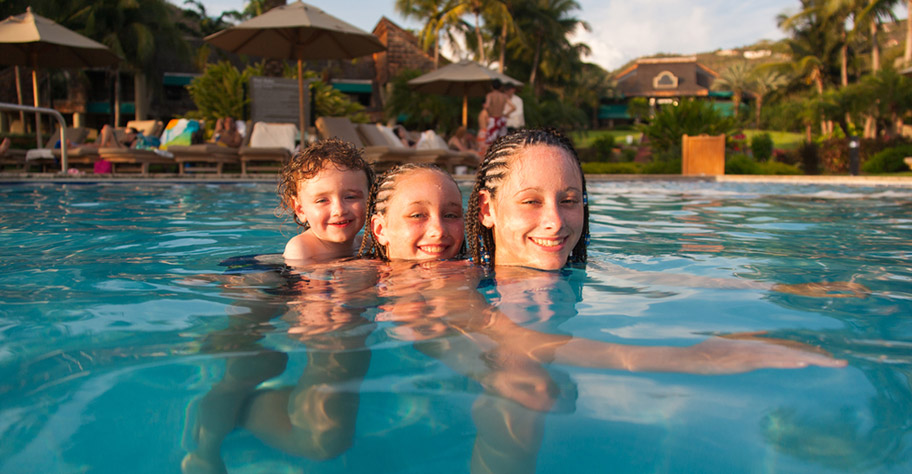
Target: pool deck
900, 181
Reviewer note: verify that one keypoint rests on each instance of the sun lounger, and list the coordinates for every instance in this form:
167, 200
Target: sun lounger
381, 157
210, 157
48, 157
133, 160
270, 145
381, 135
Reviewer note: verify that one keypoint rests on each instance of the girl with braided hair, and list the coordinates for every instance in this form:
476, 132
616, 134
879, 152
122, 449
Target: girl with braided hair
529, 204
415, 213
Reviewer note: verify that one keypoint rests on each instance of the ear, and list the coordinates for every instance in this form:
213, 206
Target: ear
298, 210
486, 208
378, 228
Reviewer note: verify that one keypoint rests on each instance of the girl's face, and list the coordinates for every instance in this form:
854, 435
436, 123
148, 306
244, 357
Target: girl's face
537, 214
423, 218
334, 203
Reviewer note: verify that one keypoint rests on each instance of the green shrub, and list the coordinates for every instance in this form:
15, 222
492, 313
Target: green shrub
777, 168
667, 166
689, 117
611, 168
762, 147
220, 91
628, 154
891, 160
740, 164
604, 146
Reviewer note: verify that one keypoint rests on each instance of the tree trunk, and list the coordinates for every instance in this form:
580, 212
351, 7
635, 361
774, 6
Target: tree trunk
535, 60
908, 56
759, 107
844, 61
503, 46
116, 97
736, 103
481, 55
875, 48
140, 98
436, 50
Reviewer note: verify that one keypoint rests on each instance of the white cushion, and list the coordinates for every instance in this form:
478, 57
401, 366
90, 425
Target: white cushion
274, 135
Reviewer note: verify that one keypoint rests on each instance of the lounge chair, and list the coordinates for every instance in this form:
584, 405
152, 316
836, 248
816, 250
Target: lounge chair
269, 147
381, 156
48, 157
134, 160
210, 157
381, 135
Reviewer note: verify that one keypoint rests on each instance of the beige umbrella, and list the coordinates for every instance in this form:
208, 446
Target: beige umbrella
35, 41
465, 78
297, 32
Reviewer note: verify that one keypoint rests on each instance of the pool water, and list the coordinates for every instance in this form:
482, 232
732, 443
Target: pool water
135, 336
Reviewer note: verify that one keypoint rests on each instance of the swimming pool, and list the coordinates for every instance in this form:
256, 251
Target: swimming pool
118, 319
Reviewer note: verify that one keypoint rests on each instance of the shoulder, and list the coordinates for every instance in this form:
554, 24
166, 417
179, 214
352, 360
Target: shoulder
297, 248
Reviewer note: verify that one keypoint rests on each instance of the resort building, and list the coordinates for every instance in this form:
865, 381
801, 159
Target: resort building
663, 81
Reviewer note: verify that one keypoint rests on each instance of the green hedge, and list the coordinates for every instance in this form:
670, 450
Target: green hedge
891, 160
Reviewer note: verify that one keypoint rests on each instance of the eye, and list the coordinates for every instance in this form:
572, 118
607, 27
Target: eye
531, 201
415, 215
320, 200
453, 215
571, 200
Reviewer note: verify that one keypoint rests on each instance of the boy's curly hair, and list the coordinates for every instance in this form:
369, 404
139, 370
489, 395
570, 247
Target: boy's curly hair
308, 162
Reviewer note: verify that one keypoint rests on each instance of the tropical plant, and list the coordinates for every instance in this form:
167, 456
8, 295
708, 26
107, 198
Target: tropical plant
423, 111
738, 79
890, 96
764, 82
435, 14
220, 91
891, 160
814, 44
689, 117
761, 146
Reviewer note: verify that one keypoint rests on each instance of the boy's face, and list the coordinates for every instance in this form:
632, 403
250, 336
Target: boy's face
334, 203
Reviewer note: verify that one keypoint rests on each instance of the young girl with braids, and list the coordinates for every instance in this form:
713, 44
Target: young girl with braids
325, 188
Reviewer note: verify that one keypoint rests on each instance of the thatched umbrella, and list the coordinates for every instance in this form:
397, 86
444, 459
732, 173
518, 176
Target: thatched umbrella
297, 32
465, 78
35, 41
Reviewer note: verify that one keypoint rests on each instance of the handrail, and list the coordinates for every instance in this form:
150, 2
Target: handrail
44, 110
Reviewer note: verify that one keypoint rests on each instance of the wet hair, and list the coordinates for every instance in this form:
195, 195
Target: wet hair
492, 172
378, 202
310, 161
496, 84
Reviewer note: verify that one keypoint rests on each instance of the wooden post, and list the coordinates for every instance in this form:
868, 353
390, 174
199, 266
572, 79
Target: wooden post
703, 155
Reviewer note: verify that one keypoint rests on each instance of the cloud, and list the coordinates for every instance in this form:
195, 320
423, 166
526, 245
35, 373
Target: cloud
624, 30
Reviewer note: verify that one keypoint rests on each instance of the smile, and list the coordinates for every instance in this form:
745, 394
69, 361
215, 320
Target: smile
340, 223
433, 249
550, 243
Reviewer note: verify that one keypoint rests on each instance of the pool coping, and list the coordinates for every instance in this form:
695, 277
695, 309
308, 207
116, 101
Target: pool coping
12, 178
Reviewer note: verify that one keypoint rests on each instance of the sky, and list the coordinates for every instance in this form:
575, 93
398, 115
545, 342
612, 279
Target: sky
620, 30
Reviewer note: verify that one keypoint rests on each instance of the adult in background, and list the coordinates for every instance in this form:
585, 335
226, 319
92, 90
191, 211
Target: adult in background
497, 106
517, 118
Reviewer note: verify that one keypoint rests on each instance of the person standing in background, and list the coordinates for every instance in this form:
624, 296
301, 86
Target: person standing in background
515, 119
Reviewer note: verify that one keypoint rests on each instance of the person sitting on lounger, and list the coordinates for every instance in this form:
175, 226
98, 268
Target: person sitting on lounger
4, 146
108, 139
226, 133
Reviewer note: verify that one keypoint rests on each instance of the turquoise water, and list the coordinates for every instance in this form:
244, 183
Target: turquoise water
122, 331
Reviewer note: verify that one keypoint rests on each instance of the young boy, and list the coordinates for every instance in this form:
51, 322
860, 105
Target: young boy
325, 188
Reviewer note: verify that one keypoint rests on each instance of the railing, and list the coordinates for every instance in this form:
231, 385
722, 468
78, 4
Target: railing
60, 121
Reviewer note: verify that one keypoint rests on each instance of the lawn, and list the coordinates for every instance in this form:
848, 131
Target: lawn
584, 138
781, 140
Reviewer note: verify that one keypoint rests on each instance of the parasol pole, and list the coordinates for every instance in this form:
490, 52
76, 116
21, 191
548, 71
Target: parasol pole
19, 97
301, 117
465, 110
35, 94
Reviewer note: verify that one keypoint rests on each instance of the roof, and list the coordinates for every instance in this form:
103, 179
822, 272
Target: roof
680, 76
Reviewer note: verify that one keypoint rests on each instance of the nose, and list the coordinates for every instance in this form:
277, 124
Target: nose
435, 227
551, 217
337, 207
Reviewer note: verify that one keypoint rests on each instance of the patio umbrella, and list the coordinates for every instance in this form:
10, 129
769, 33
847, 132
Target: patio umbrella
297, 32
465, 78
33, 40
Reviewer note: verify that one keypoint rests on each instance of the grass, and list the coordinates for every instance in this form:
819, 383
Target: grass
584, 138
781, 140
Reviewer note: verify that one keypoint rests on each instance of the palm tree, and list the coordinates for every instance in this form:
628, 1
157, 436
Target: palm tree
907, 57
545, 27
890, 94
132, 30
435, 15
765, 82
498, 15
475, 8
738, 78
814, 44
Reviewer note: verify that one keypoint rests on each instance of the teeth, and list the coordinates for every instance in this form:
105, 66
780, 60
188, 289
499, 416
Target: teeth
432, 248
548, 242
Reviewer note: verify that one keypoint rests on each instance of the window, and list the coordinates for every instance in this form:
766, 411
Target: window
665, 80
